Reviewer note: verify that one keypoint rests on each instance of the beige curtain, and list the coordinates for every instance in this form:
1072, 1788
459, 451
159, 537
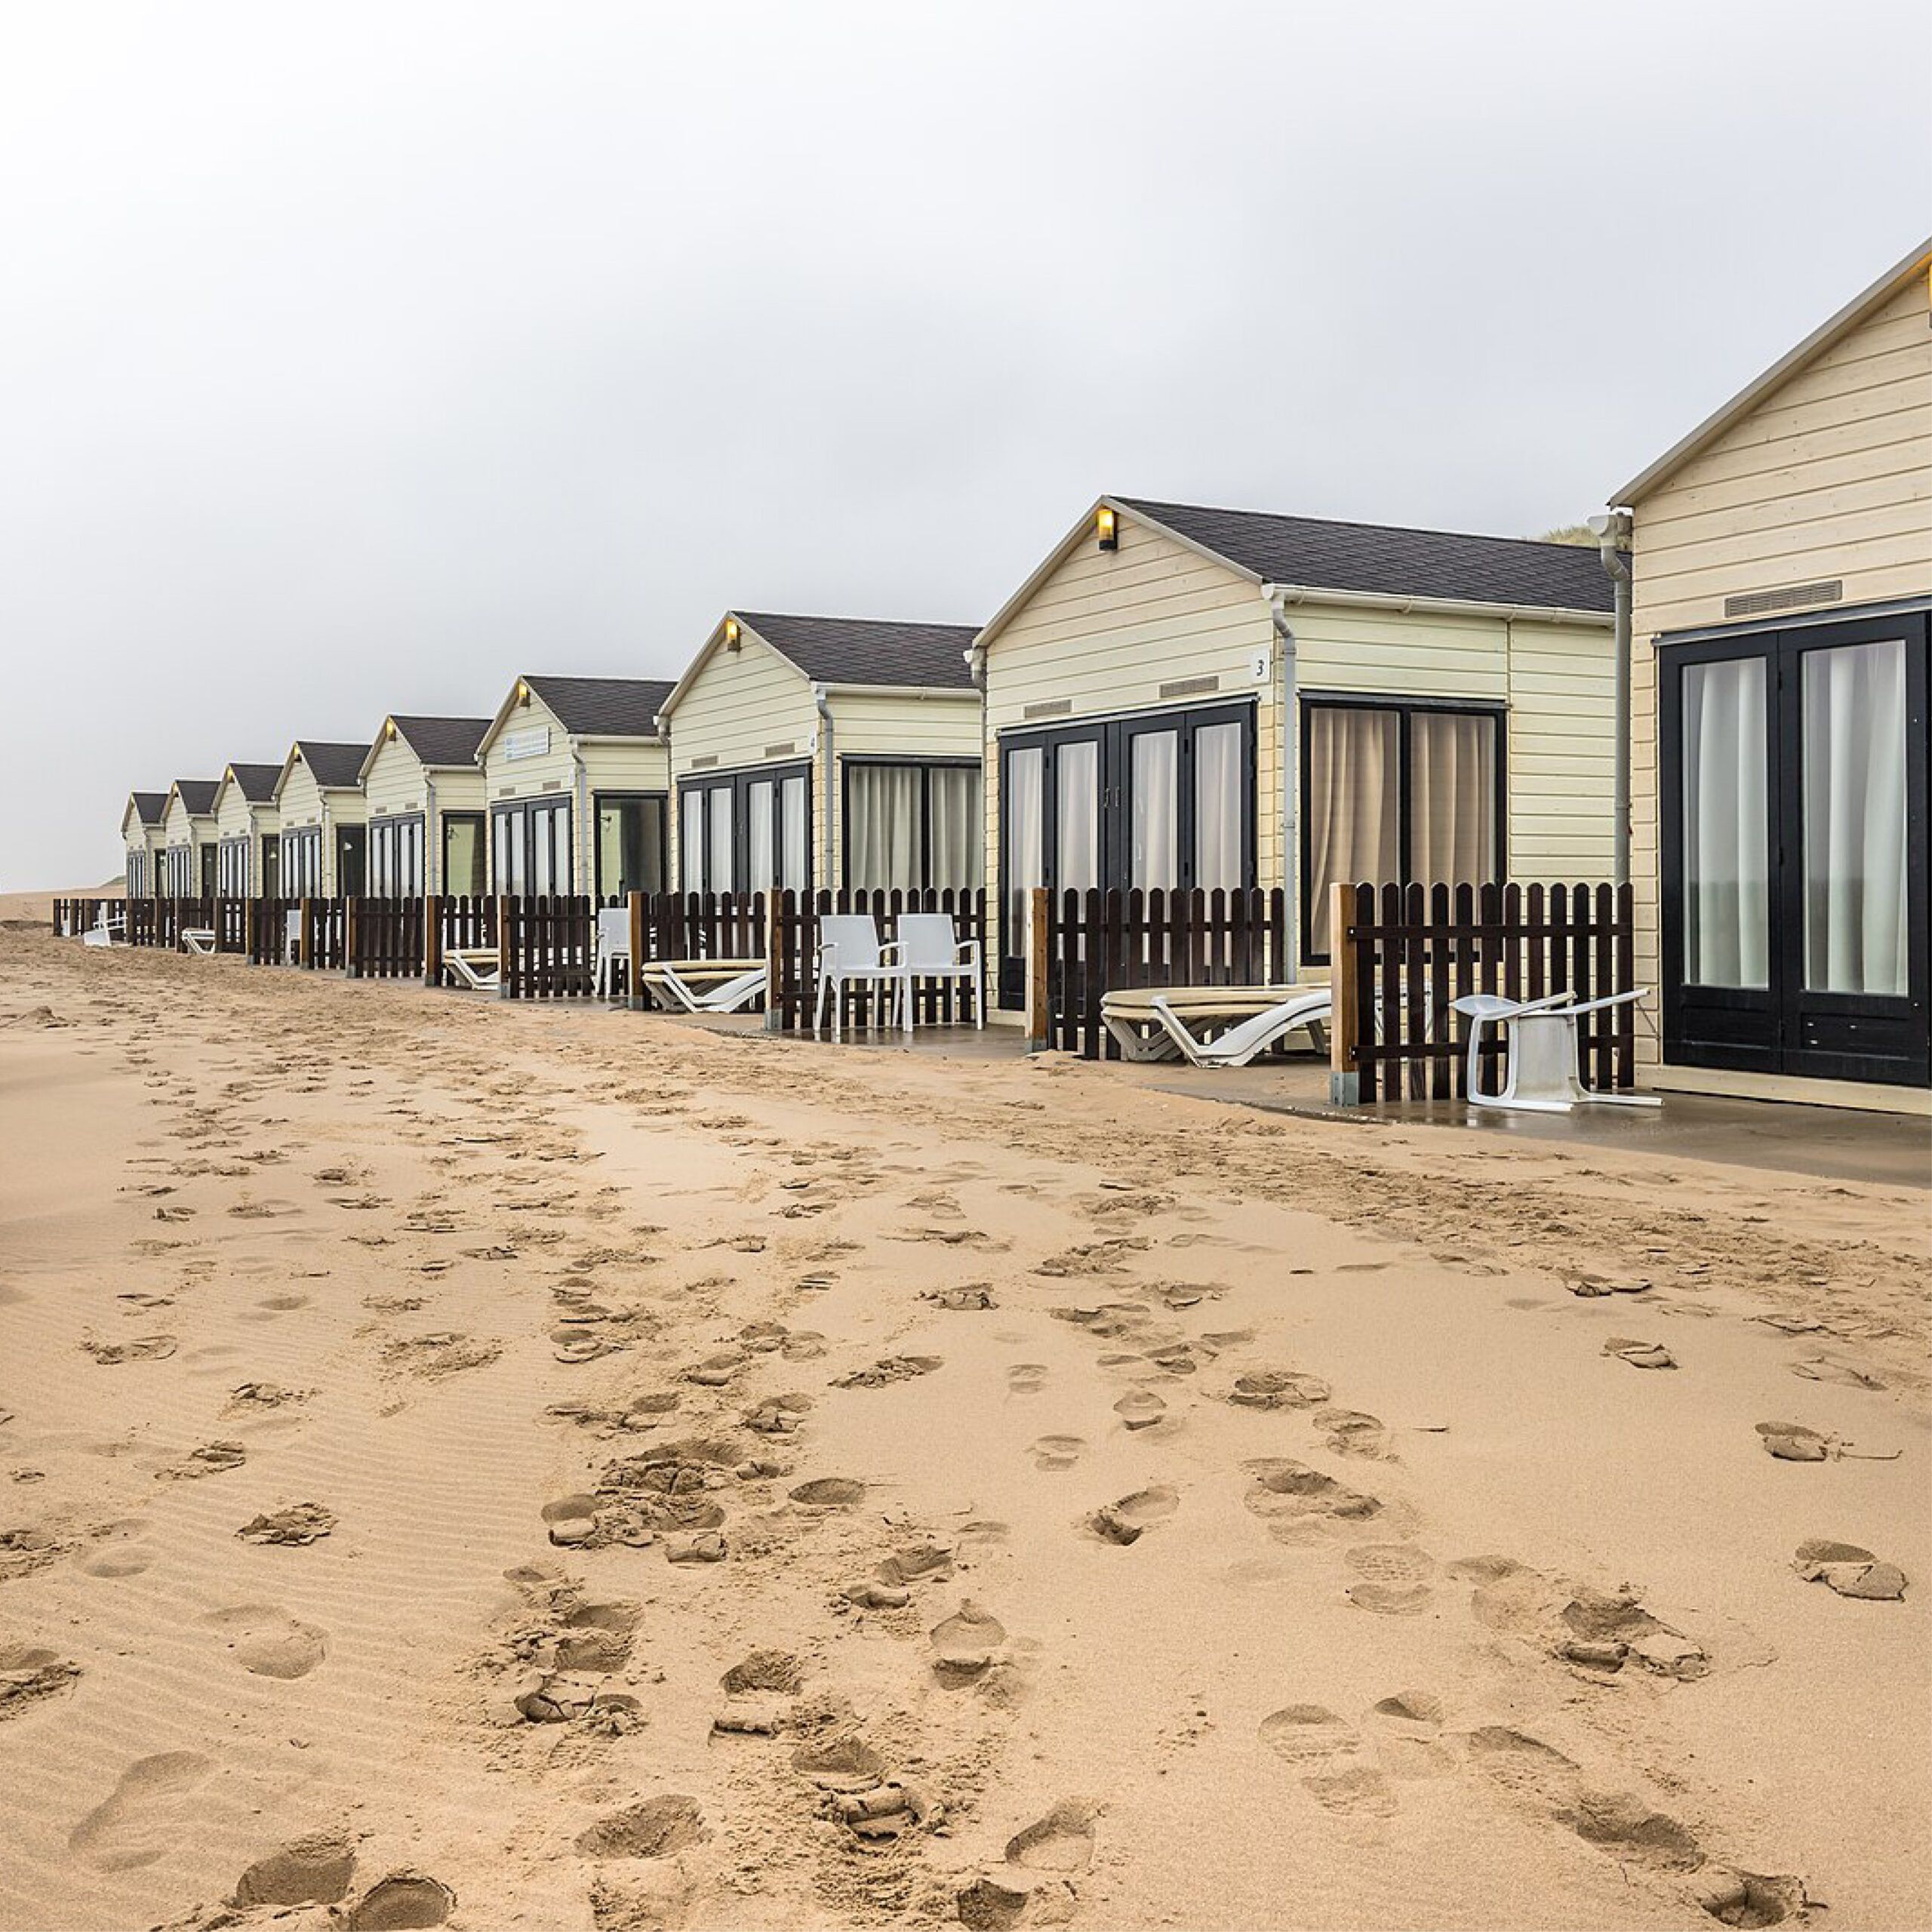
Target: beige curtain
1353, 833
956, 832
882, 842
1452, 795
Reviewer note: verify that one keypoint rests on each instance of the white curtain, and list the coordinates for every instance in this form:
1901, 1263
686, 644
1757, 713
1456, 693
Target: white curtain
761, 818
1727, 860
1077, 795
955, 833
1353, 833
882, 842
717, 813
1855, 893
1452, 798
1156, 810
1220, 787
1025, 853
796, 853
691, 862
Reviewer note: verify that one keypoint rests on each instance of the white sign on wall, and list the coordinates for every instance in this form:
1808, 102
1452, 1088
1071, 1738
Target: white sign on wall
533, 741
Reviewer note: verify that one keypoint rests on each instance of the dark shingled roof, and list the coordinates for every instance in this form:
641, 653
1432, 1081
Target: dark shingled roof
334, 767
1387, 562
197, 794
150, 806
256, 782
443, 741
860, 651
604, 707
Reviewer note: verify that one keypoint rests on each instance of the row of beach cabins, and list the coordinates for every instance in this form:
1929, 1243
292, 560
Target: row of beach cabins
1199, 745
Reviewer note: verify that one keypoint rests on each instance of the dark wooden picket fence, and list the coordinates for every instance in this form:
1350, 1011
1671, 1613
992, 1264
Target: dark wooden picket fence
231, 924
384, 938
1085, 944
792, 956
72, 917
325, 933
1403, 955
268, 932
548, 945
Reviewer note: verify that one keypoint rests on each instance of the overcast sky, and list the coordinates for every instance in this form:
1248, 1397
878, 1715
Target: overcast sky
355, 358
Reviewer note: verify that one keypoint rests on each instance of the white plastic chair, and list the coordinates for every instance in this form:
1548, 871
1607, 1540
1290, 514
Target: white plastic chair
850, 954
291, 937
1310, 1006
613, 943
930, 948
1541, 1072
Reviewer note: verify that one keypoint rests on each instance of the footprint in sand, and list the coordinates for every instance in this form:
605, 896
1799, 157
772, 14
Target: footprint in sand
401, 1903
316, 1870
1140, 1409
267, 1641
144, 1816
965, 1643
1297, 1501
1124, 1522
118, 1552
1850, 1570
210, 1459
1052, 1453
1062, 1842
888, 1369
1277, 1389
1392, 1578
1407, 1730
1026, 1378
146, 1347
270, 1307
29, 1673
657, 1828
1350, 1433
1333, 1764
1837, 1369
301, 1523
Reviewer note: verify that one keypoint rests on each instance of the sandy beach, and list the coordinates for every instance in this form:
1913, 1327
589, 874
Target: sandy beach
518, 1467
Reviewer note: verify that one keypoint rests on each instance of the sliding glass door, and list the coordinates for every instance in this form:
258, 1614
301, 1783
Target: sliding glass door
745, 831
631, 854
912, 825
530, 847
1163, 802
1794, 866
465, 873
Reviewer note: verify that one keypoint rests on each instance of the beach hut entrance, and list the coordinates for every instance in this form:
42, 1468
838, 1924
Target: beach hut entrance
746, 831
631, 847
352, 860
1162, 800
465, 873
1794, 867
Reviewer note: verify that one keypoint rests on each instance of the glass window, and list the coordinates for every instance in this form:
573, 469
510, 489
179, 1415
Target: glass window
1220, 808
1077, 802
760, 827
885, 829
1727, 860
1153, 833
719, 856
795, 842
955, 829
1855, 849
630, 844
1452, 786
463, 854
1025, 845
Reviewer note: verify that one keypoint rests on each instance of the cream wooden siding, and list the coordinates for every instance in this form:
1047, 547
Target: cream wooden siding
1106, 629
609, 764
746, 707
1828, 477
181, 827
939, 724
235, 818
304, 803
393, 787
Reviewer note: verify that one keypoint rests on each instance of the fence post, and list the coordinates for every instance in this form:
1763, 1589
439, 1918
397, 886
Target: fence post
1344, 1012
305, 943
773, 902
634, 969
1038, 922
503, 946
432, 938
351, 967
248, 914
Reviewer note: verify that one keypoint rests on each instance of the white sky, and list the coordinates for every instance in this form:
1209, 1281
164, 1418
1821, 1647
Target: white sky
355, 358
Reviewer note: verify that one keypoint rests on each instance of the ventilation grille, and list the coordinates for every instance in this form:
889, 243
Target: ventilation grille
705, 763
781, 751
1787, 597
1057, 707
553, 784
1188, 687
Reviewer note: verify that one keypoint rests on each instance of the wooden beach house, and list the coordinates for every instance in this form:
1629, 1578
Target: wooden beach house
1181, 697
249, 864
424, 790
324, 819
577, 781
1781, 559
142, 836
822, 753
189, 855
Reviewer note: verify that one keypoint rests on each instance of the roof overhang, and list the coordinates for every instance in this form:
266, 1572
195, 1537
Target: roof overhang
1441, 606
711, 646
521, 692
1918, 261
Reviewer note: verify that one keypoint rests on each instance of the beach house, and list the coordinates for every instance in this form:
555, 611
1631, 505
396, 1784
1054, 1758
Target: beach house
324, 819
424, 791
1181, 697
811, 753
188, 839
249, 861
577, 781
141, 835
1782, 564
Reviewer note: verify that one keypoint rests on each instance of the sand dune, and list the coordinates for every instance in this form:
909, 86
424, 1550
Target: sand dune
463, 1464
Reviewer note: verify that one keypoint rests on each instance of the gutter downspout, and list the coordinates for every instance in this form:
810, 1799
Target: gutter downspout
822, 698
1277, 600
580, 840
1613, 533
431, 844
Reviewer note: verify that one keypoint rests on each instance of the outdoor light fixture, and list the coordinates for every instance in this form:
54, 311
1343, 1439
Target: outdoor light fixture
388, 731
1107, 527
522, 692
731, 633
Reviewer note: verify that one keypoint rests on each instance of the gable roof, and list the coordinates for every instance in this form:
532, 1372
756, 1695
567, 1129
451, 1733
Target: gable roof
1916, 262
197, 795
149, 807
604, 707
256, 782
335, 767
442, 741
868, 650
1386, 560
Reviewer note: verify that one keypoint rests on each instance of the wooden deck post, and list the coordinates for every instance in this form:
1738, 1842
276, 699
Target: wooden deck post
351, 967
1037, 1019
634, 970
503, 975
432, 938
249, 907
1345, 1023
304, 932
774, 957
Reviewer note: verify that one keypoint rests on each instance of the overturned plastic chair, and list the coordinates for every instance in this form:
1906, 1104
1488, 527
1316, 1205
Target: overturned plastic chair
1540, 1073
109, 928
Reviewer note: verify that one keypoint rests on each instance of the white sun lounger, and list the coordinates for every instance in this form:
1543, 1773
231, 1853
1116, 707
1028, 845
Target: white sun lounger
108, 929
1143, 1033
479, 969
198, 940
704, 985
1308, 1006
1541, 1074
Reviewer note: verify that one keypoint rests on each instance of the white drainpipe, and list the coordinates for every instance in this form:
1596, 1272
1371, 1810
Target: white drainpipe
430, 841
822, 700
580, 810
1278, 615
1612, 531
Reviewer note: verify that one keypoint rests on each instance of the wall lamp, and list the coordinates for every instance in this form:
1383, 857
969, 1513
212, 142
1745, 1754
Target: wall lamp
731, 634
1107, 527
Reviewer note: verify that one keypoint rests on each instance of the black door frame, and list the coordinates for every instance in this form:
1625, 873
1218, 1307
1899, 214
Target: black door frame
622, 797
1782, 1028
739, 779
